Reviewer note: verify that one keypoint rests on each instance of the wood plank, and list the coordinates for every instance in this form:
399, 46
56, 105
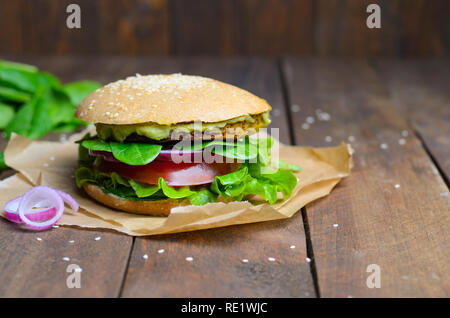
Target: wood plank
110, 27
32, 268
217, 269
420, 91
404, 230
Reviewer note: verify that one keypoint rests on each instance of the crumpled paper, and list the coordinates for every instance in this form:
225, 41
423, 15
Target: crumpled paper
53, 164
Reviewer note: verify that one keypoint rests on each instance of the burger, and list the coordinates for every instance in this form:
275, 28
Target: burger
164, 141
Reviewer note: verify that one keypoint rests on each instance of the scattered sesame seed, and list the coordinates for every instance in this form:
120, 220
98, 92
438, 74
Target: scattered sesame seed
38, 238
401, 141
335, 225
145, 256
397, 186
405, 133
71, 241
189, 259
384, 146
161, 251
351, 138
306, 294
328, 139
308, 260
349, 296
310, 119
245, 260
45, 164
444, 194
305, 126
52, 158
66, 259
292, 246
98, 238
271, 259
276, 112
295, 108
322, 116
55, 226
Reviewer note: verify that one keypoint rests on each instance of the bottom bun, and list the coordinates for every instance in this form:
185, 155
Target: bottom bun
155, 208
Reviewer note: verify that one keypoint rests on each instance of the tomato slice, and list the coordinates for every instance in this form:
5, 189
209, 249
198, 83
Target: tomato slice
174, 174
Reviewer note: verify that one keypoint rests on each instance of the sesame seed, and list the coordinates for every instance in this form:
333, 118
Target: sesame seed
295, 108
45, 164
98, 238
145, 256
308, 260
335, 225
444, 194
66, 259
384, 146
328, 139
351, 138
245, 260
305, 126
405, 133
55, 226
401, 141
71, 241
161, 251
397, 186
310, 119
322, 116
189, 259
52, 158
292, 246
38, 238
271, 259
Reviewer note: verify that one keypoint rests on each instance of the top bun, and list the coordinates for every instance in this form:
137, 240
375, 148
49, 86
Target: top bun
167, 100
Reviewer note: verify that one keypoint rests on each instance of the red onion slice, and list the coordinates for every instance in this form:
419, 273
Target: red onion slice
67, 198
39, 208
40, 212
35, 196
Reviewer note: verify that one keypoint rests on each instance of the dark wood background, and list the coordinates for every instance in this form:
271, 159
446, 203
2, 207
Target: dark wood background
410, 28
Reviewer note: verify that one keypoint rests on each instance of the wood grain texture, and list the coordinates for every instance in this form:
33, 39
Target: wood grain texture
217, 269
108, 27
420, 91
404, 230
410, 28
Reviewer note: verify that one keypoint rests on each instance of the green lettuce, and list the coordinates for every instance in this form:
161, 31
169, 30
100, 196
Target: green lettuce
138, 154
250, 179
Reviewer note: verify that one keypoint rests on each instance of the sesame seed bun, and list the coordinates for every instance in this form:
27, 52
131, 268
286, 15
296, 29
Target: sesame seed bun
153, 208
168, 100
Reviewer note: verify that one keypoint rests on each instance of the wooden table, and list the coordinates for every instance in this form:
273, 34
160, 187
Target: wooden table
393, 211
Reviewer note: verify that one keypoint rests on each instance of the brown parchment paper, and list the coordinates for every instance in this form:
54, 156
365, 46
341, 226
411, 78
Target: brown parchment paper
54, 163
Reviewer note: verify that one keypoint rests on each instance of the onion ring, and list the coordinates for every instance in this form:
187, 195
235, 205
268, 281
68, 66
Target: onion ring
42, 211
39, 208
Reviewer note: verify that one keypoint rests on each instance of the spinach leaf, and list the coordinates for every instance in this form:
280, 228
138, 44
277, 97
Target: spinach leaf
77, 91
135, 154
6, 114
96, 144
18, 66
3, 165
13, 95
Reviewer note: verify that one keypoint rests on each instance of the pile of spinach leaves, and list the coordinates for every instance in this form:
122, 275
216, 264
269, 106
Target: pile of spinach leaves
34, 103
